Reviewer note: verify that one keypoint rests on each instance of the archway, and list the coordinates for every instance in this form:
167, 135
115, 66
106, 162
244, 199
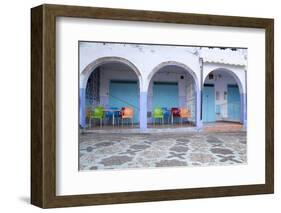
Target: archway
223, 97
103, 83
173, 84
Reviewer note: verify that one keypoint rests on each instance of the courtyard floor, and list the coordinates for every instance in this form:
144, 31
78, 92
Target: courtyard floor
99, 151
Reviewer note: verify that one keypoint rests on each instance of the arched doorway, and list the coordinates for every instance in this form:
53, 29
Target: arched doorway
173, 85
223, 97
110, 82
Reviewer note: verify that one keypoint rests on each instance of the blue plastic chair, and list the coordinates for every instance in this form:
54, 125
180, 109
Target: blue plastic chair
167, 114
109, 114
116, 113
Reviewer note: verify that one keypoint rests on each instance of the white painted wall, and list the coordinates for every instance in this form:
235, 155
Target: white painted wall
239, 72
147, 58
225, 56
144, 57
191, 97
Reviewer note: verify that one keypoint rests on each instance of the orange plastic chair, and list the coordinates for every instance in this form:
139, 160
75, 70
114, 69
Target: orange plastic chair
127, 113
184, 113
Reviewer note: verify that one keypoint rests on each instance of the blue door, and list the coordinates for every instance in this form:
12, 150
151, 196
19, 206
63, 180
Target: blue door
125, 94
233, 103
165, 94
208, 109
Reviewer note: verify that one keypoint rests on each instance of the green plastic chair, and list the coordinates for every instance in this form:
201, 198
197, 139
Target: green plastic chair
158, 114
97, 113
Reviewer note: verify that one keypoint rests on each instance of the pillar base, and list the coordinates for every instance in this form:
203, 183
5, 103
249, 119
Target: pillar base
245, 124
199, 125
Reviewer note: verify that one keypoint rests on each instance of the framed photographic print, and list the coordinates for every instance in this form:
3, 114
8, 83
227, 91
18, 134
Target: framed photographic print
136, 106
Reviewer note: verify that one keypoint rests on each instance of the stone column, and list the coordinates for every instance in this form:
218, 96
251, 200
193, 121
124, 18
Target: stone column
143, 110
243, 110
82, 114
198, 110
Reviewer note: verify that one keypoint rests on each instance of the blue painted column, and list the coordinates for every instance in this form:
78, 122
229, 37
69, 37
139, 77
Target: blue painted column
82, 116
243, 108
198, 119
143, 110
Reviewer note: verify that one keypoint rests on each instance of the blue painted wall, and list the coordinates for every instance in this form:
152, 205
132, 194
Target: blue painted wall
208, 109
125, 93
233, 103
165, 95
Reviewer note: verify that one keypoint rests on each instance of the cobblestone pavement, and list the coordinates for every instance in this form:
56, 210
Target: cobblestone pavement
122, 151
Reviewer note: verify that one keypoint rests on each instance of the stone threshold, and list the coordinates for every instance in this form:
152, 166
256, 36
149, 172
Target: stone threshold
148, 130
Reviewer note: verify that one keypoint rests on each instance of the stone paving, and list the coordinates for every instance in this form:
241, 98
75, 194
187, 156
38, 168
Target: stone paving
99, 151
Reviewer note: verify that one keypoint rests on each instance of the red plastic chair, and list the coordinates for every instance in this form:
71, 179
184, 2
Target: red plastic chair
175, 112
